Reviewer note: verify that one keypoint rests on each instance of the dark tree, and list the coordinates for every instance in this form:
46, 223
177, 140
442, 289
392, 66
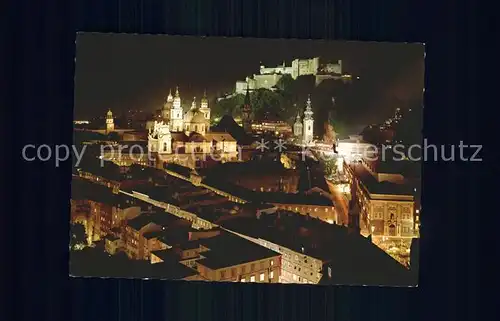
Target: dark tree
113, 136
78, 236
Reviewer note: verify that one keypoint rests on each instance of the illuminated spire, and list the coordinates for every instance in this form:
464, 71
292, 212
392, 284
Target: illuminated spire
204, 99
193, 104
177, 91
308, 112
169, 97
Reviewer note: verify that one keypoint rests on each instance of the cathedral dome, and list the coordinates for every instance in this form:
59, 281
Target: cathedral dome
198, 118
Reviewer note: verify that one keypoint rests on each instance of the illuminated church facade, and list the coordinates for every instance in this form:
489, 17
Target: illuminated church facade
185, 138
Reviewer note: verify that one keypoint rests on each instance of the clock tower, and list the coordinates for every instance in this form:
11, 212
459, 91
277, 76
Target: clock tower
110, 123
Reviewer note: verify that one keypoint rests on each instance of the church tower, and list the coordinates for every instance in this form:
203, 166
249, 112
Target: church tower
167, 108
176, 113
204, 107
297, 127
110, 123
247, 113
308, 127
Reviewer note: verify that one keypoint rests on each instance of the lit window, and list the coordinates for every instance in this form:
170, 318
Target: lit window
271, 262
252, 278
243, 280
262, 277
271, 274
294, 277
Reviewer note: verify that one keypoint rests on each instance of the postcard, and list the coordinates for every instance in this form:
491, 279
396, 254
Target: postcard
247, 160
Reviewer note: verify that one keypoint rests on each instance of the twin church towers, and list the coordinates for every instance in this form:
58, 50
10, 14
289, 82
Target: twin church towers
195, 120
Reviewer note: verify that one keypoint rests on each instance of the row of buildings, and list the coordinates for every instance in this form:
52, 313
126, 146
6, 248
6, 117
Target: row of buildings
242, 242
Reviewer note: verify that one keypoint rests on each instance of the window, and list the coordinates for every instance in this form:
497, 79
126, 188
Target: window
294, 277
164, 147
271, 275
233, 272
222, 274
262, 265
252, 278
252, 267
243, 280
262, 277
271, 262
243, 269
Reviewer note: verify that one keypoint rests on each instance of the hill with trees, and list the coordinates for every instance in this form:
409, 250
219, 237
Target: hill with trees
342, 105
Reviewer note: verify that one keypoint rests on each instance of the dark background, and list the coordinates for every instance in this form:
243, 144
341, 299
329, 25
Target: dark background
38, 82
123, 71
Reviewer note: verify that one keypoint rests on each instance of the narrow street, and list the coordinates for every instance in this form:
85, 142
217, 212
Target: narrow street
341, 204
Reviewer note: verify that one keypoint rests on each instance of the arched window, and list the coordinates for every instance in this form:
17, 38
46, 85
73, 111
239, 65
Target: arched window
164, 147
195, 128
309, 128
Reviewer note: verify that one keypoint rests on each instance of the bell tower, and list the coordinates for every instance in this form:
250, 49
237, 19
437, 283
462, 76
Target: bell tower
110, 123
204, 106
308, 127
167, 107
297, 127
176, 113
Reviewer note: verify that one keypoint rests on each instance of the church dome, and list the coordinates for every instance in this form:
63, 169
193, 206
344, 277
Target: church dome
109, 113
198, 118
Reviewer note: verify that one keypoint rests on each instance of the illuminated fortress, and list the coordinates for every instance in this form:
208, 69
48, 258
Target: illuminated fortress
269, 76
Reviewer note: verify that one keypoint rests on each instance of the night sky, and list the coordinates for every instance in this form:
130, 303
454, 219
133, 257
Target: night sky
123, 72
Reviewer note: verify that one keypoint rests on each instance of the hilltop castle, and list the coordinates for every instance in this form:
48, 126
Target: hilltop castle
269, 76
